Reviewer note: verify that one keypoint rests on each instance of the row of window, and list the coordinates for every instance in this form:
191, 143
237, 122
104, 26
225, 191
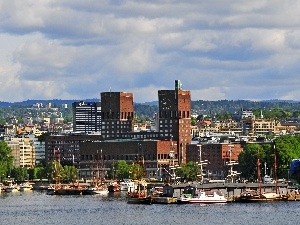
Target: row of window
117, 115
132, 157
174, 114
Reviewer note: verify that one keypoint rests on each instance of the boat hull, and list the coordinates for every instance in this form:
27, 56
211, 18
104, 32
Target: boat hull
68, 192
145, 200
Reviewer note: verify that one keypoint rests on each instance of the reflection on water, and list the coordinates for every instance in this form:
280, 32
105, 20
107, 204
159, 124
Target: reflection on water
38, 208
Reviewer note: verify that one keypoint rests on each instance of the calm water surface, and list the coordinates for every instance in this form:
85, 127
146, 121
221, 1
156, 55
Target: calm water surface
37, 208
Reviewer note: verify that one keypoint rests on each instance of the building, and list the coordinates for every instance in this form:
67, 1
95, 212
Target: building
116, 114
153, 155
23, 152
15, 150
65, 147
175, 118
86, 117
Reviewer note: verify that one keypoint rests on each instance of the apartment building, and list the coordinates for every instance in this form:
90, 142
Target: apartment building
23, 151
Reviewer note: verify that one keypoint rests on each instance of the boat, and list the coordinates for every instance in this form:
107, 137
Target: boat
95, 190
113, 187
194, 195
163, 195
11, 188
96, 187
50, 190
25, 187
140, 195
127, 185
68, 190
258, 195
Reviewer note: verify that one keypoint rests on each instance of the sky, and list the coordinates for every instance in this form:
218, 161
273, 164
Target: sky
74, 49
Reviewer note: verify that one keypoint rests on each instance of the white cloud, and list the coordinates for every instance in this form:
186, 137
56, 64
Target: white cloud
219, 49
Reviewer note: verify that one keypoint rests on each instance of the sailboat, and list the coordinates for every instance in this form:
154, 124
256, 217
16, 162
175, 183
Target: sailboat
59, 188
96, 188
254, 195
140, 194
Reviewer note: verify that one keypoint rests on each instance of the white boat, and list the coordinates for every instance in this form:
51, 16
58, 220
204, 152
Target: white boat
127, 185
11, 188
25, 187
193, 195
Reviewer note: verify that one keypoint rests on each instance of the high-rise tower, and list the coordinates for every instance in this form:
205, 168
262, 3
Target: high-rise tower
86, 116
116, 114
175, 118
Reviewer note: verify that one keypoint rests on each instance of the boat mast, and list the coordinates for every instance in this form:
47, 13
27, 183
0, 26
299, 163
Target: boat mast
101, 167
258, 171
275, 169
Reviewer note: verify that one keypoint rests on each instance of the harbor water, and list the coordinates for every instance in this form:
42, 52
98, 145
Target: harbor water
38, 208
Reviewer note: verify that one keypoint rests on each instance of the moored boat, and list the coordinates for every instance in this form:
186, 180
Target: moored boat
95, 191
140, 195
11, 188
255, 196
113, 187
25, 187
193, 195
127, 185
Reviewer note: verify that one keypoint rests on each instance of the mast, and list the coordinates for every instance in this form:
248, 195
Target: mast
258, 171
101, 167
275, 169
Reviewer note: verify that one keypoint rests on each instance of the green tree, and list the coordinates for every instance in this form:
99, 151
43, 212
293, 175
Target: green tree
6, 160
189, 171
136, 171
283, 150
20, 174
194, 121
248, 161
287, 148
56, 172
70, 174
122, 170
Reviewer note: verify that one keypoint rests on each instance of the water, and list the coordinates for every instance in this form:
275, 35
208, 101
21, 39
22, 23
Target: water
37, 208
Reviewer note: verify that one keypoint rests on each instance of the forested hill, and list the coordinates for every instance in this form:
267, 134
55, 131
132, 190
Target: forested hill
221, 106
199, 107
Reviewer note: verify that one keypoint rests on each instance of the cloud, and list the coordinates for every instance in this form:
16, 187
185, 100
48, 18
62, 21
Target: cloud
218, 49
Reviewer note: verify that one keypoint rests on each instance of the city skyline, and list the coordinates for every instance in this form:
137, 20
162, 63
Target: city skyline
219, 50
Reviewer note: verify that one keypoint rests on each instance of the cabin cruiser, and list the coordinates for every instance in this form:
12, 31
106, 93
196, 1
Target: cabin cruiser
194, 195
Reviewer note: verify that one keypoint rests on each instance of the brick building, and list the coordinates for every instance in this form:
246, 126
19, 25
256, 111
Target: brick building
154, 152
175, 118
116, 114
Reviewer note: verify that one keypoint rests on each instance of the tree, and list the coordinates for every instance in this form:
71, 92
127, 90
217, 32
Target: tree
122, 170
137, 171
248, 161
20, 174
285, 147
6, 160
189, 171
70, 174
56, 172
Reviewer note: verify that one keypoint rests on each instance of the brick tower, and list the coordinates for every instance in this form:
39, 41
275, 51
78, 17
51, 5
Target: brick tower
175, 119
116, 114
